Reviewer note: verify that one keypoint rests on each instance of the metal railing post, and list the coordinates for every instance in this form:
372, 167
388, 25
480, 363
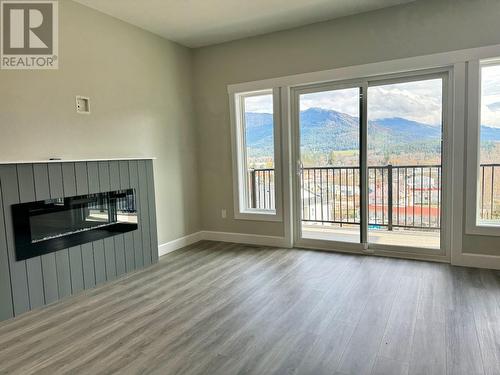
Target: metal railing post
254, 188
389, 196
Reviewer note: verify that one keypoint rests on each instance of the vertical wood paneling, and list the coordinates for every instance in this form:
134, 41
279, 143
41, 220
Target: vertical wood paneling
82, 188
120, 254
62, 256
144, 213
93, 177
76, 268
99, 262
42, 280
49, 270
18, 276
98, 246
26, 182
114, 177
88, 266
75, 253
109, 244
152, 210
6, 308
134, 183
129, 236
109, 257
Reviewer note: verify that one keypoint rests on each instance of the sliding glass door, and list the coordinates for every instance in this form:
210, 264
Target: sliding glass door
405, 121
328, 180
369, 163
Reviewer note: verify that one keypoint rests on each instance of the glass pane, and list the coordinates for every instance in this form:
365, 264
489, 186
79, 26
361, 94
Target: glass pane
404, 163
489, 171
329, 151
259, 151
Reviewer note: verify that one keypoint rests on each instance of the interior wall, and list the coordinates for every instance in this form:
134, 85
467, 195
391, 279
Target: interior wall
418, 28
140, 89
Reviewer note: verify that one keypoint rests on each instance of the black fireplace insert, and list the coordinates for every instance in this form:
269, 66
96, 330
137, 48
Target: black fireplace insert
45, 226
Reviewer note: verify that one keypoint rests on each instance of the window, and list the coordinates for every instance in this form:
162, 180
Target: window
255, 126
483, 215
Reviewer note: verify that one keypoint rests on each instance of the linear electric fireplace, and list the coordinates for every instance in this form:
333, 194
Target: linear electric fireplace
54, 224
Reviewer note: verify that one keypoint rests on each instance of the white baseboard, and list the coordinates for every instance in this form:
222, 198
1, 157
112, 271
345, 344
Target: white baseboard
250, 239
179, 243
464, 259
477, 260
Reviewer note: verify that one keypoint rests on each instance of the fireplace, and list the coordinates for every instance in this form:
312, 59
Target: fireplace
45, 226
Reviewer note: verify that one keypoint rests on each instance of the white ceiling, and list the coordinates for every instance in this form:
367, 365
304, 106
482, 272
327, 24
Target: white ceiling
197, 23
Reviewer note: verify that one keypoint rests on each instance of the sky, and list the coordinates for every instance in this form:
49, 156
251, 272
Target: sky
419, 101
490, 96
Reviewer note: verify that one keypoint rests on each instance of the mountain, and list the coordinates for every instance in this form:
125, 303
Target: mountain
489, 134
323, 131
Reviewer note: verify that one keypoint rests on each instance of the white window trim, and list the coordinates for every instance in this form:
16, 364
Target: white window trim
472, 226
241, 212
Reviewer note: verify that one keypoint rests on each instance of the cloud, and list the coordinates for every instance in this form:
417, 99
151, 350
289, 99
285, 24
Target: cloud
260, 104
494, 107
490, 96
418, 101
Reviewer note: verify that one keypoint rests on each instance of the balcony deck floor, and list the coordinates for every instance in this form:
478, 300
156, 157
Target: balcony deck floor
413, 238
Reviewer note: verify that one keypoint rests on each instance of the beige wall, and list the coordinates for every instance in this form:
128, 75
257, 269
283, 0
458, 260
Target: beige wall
140, 87
422, 27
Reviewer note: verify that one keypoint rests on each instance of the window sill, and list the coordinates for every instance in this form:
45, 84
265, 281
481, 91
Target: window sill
258, 215
483, 230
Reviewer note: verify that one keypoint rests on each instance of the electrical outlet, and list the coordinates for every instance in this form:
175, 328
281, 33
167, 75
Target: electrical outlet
223, 213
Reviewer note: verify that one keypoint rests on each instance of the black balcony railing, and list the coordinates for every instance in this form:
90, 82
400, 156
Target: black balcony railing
406, 196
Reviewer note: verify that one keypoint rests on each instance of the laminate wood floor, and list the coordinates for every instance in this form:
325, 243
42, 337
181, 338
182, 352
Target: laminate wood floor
216, 308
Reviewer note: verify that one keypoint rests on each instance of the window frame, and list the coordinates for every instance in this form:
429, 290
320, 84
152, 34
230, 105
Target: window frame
473, 160
240, 175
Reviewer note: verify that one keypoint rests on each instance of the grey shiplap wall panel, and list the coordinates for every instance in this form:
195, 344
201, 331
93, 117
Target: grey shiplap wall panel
144, 212
69, 179
152, 210
62, 256
129, 236
99, 262
74, 253
6, 308
104, 181
81, 177
42, 280
120, 254
98, 246
109, 257
18, 276
88, 265
109, 244
63, 273
49, 270
93, 177
114, 177
26, 181
134, 183
76, 269
87, 251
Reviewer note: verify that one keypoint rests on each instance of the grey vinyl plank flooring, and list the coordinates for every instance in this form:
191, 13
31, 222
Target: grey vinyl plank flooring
221, 308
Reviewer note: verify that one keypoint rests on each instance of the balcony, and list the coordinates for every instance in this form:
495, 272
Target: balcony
404, 201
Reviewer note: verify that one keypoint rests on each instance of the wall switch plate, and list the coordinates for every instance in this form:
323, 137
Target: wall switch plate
223, 213
82, 105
